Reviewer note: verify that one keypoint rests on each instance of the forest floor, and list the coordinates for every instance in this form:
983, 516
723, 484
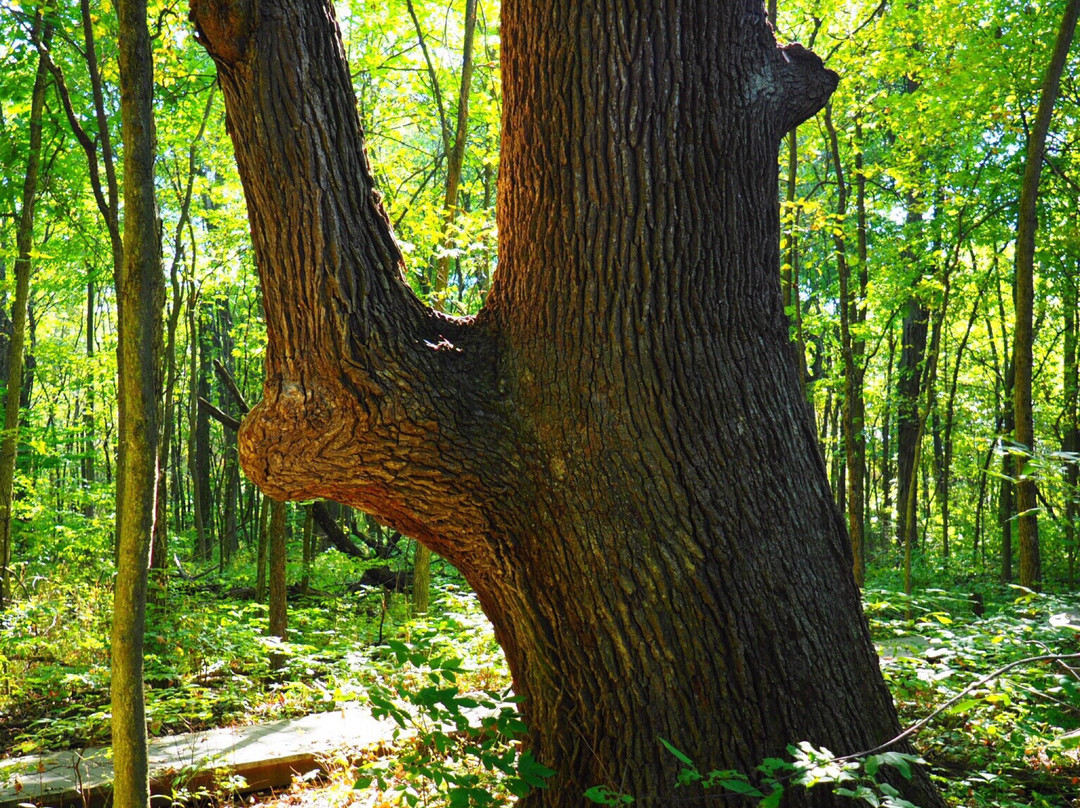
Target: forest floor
1011, 741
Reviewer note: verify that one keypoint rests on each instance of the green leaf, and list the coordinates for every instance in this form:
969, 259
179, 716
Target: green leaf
898, 760
741, 787
773, 800
963, 706
400, 650
605, 796
772, 765
532, 771
679, 755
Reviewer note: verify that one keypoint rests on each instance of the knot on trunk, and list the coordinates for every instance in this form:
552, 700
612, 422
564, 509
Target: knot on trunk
286, 439
224, 27
805, 85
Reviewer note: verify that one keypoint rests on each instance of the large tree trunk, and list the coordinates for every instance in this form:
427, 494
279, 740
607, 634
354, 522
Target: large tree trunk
615, 452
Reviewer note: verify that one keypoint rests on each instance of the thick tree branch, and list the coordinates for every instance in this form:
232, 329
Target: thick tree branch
231, 386
370, 397
221, 417
333, 532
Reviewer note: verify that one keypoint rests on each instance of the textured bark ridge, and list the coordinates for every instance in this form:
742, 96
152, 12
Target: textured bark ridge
615, 452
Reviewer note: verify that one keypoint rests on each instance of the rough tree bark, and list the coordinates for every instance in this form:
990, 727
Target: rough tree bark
624, 410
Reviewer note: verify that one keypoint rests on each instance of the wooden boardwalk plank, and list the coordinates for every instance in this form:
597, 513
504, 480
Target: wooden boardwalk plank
265, 755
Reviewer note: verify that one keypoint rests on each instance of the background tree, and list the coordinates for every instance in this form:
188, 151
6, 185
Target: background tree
16, 344
140, 294
1026, 500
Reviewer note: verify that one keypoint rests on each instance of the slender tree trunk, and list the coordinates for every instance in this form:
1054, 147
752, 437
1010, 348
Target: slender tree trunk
944, 481
1027, 224
1070, 377
789, 270
1004, 378
937, 437
159, 553
909, 388
25, 245
200, 478
140, 297
456, 158
231, 464
620, 406
929, 378
909, 437
279, 606
308, 548
88, 466
886, 517
980, 507
1006, 511
159, 557
851, 349
179, 495
836, 447
198, 459
1006, 501
263, 548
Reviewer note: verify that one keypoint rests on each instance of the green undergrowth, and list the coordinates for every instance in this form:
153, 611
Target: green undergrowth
207, 657
1009, 742
1012, 741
